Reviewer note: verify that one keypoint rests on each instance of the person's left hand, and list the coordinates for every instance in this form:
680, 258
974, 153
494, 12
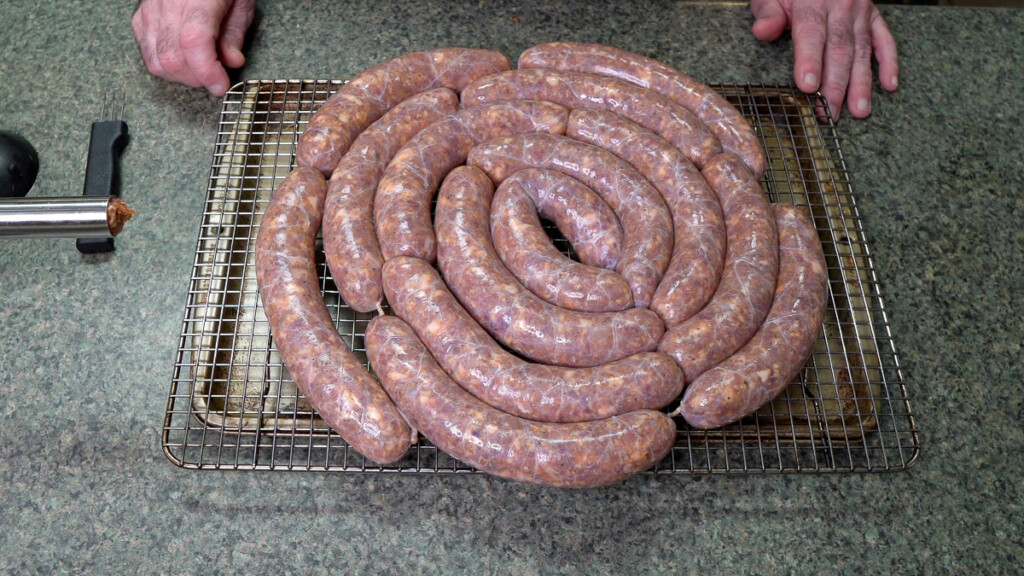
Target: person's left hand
833, 41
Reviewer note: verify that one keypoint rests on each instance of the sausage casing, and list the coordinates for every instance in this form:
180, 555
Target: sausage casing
585, 220
527, 251
350, 242
744, 292
376, 90
759, 371
646, 220
505, 308
721, 117
401, 207
576, 455
588, 91
699, 227
534, 391
323, 366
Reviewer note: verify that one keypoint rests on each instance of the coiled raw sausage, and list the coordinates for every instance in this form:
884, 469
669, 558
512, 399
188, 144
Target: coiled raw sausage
646, 220
377, 89
585, 220
759, 371
721, 117
333, 380
401, 207
577, 455
350, 242
505, 308
587, 91
534, 391
527, 251
699, 227
744, 293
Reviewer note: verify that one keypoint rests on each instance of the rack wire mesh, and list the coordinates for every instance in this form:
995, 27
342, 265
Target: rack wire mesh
232, 404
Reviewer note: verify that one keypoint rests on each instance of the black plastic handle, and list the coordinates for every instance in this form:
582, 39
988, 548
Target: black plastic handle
106, 142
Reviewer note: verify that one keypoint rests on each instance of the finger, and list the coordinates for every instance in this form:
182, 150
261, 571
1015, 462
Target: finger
772, 20
858, 95
145, 36
809, 22
199, 31
171, 56
839, 49
166, 26
885, 52
232, 33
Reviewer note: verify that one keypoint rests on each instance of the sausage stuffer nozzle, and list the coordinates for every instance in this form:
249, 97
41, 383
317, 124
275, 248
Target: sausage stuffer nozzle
107, 140
72, 217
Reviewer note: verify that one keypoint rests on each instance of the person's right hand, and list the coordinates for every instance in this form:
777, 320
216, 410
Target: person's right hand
193, 41
833, 42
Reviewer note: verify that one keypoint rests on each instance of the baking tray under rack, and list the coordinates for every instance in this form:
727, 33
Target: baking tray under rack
233, 405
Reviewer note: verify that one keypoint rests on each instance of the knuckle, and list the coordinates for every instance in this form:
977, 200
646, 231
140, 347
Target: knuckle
862, 47
199, 25
199, 13
839, 49
833, 89
153, 66
809, 40
172, 66
170, 58
808, 12
193, 37
839, 37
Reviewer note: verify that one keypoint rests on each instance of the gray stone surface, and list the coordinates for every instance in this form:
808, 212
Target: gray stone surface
87, 344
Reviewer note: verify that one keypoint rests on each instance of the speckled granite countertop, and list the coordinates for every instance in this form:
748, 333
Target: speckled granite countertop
87, 344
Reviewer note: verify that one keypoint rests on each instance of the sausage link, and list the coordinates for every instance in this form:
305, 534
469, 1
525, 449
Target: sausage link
699, 227
377, 89
505, 308
721, 118
350, 242
646, 220
402, 205
585, 220
333, 380
527, 250
759, 371
575, 90
534, 391
577, 455
744, 292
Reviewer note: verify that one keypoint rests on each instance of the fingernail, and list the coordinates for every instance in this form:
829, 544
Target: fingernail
218, 89
811, 79
894, 82
864, 105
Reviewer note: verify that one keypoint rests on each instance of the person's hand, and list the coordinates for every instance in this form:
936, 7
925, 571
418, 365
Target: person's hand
192, 41
833, 41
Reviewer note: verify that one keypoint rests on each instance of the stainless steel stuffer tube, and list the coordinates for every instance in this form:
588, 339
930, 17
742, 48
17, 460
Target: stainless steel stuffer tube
72, 217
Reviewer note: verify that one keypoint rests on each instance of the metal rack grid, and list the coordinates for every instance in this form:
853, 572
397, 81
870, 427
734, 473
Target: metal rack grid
232, 404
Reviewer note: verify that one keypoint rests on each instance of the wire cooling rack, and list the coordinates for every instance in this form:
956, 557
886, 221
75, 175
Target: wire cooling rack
232, 404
